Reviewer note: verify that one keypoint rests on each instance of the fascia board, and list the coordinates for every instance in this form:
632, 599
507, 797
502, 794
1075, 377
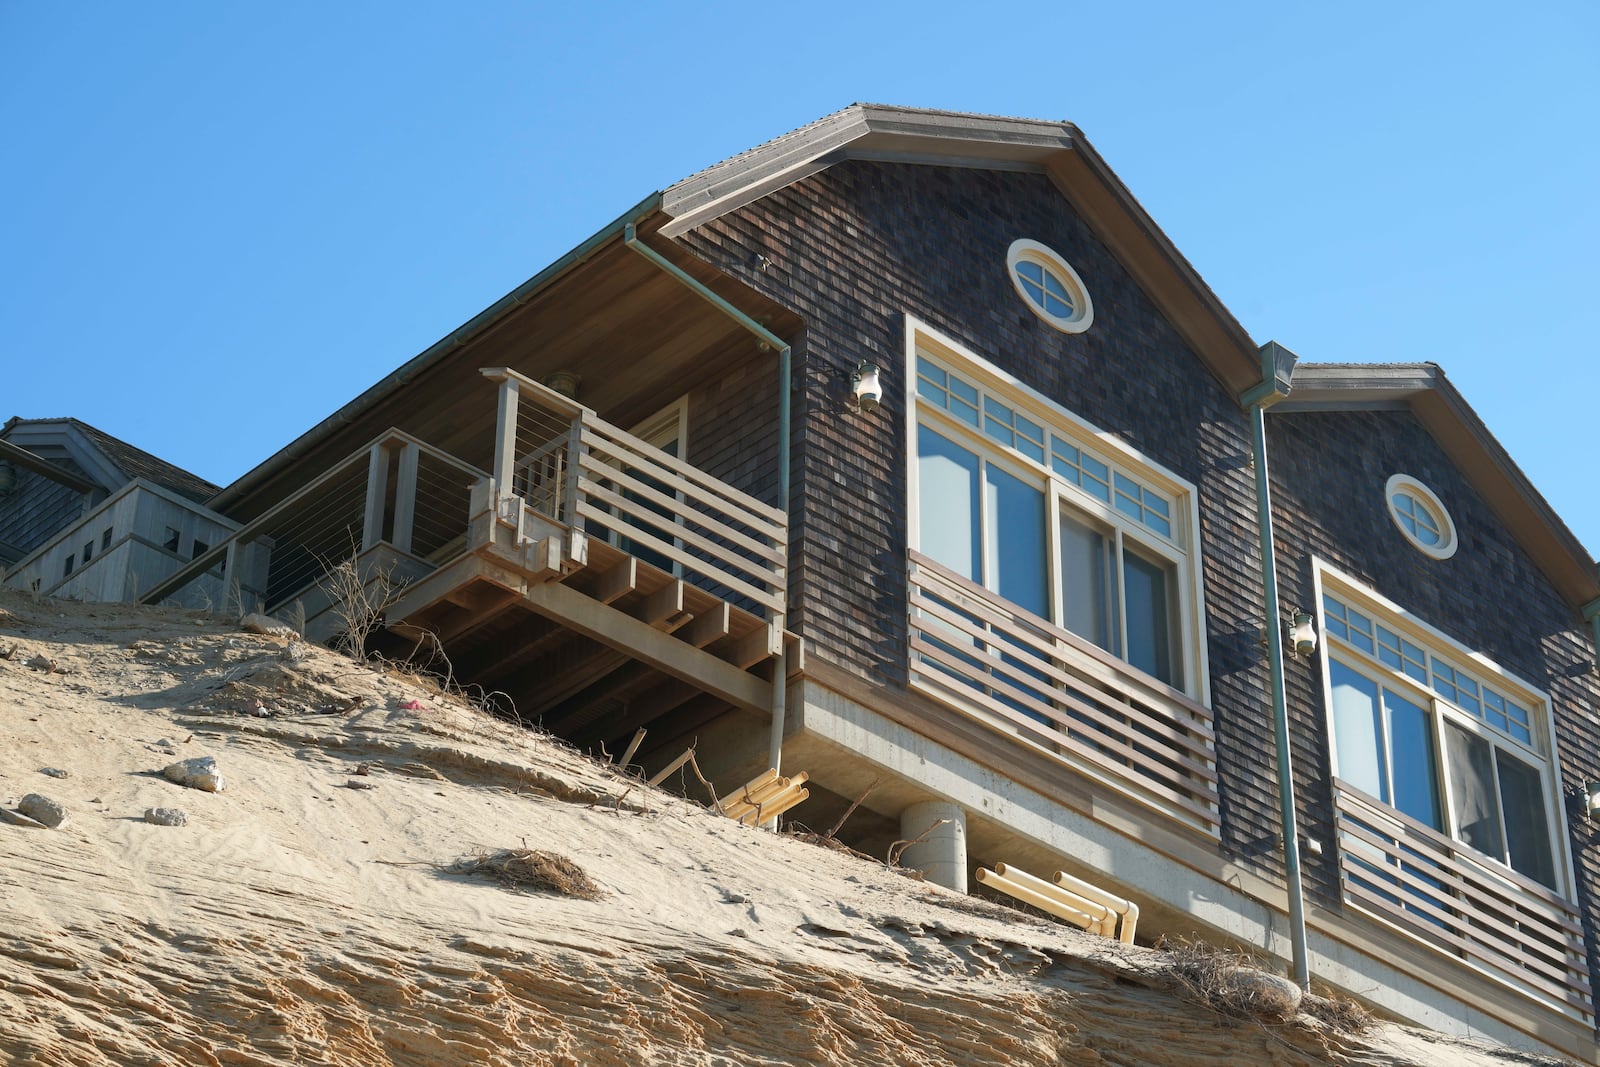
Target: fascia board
860, 132
875, 132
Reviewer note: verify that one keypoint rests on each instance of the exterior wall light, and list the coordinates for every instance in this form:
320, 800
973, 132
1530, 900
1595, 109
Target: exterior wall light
1303, 634
564, 382
1591, 799
866, 386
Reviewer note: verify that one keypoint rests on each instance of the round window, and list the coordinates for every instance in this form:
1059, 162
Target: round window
1420, 517
1051, 287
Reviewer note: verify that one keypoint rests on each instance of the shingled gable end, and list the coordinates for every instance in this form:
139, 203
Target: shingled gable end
1023, 592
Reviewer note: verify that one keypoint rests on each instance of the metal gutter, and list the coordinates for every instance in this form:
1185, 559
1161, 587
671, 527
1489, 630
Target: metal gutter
1277, 365
409, 371
780, 682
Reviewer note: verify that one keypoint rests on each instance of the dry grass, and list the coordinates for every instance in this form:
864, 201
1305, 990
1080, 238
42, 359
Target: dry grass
530, 868
1336, 1012
1230, 982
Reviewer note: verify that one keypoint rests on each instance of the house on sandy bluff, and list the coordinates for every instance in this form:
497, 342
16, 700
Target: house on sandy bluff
906, 450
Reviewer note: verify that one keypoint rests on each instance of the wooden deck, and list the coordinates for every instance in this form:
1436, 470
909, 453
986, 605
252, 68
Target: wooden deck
595, 581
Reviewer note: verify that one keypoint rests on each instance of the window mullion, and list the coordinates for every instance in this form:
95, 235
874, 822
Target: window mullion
1442, 762
1058, 605
1120, 608
1387, 742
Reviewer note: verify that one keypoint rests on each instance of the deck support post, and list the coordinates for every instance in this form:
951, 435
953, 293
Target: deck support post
377, 494
939, 829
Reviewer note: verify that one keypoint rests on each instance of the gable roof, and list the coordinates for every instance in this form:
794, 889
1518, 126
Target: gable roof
1423, 389
132, 462
1057, 149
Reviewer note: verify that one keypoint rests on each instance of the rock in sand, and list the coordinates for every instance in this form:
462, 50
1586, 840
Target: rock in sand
198, 773
43, 810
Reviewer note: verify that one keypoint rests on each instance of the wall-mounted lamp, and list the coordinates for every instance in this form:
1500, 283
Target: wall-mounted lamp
564, 382
1303, 634
867, 388
1591, 799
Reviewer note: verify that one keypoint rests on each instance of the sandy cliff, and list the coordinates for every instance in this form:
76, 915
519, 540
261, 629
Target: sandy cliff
307, 913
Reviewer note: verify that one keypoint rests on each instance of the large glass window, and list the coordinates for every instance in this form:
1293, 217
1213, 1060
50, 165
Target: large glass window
1071, 532
1464, 752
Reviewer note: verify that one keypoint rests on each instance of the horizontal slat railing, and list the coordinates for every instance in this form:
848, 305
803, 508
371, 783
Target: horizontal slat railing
662, 504
1017, 671
1449, 896
572, 466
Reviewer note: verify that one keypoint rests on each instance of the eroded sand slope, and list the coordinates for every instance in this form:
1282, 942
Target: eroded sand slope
298, 920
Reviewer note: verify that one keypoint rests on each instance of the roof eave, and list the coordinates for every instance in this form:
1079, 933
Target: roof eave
418, 364
1423, 389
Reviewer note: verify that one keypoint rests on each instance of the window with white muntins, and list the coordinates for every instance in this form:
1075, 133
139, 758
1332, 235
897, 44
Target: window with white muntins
1018, 495
1440, 733
1420, 516
1049, 285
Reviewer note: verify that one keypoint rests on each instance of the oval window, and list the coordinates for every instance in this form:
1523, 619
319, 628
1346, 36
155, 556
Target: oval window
1420, 517
1052, 289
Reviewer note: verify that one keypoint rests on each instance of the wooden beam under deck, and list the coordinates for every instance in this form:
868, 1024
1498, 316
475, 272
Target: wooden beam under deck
643, 642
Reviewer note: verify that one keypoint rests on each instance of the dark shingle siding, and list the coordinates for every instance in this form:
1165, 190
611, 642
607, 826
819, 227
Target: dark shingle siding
854, 249
36, 508
1489, 596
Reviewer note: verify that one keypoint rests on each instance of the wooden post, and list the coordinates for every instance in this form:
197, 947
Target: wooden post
569, 491
505, 439
405, 497
377, 494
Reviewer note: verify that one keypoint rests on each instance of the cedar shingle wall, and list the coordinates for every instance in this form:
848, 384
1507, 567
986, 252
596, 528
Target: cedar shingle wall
855, 248
1489, 596
37, 508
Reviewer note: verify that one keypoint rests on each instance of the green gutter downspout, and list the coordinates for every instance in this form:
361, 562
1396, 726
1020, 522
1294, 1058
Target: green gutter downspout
1277, 366
780, 686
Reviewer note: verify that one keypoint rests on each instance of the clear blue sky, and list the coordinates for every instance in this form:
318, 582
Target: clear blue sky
220, 222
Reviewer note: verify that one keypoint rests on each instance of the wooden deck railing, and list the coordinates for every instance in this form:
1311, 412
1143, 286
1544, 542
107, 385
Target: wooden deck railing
395, 491
565, 462
1462, 903
1017, 672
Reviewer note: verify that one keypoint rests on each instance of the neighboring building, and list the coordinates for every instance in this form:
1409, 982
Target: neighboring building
1020, 586
88, 516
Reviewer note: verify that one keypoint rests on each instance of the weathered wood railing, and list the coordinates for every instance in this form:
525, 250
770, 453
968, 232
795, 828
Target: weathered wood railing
568, 464
1013, 670
1448, 896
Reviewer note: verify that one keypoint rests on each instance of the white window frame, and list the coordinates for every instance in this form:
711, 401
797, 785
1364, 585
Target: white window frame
1181, 549
1406, 485
1542, 752
1024, 250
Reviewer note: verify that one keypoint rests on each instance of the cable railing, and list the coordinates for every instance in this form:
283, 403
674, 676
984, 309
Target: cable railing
397, 494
